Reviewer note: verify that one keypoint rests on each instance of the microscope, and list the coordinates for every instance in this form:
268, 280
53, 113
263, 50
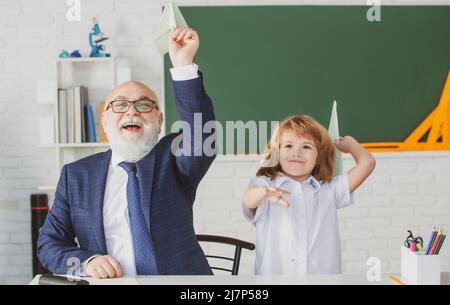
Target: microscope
95, 42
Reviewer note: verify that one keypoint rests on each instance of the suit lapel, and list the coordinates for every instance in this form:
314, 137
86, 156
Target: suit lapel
145, 173
98, 173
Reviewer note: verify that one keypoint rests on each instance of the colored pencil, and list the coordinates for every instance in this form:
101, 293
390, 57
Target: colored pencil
431, 241
440, 243
436, 241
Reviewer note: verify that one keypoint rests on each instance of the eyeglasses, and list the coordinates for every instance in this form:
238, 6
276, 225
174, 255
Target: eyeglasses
142, 106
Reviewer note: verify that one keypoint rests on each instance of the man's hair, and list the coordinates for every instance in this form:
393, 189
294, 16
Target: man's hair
301, 125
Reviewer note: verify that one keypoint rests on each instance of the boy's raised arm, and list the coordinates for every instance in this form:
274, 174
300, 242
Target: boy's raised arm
365, 162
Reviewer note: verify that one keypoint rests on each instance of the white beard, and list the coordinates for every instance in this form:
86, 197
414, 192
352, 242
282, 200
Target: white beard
133, 147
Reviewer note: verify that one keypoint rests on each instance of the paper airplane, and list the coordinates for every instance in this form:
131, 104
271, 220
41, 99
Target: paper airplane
333, 131
171, 17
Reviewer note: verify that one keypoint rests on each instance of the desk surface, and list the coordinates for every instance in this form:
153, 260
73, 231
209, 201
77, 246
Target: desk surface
340, 279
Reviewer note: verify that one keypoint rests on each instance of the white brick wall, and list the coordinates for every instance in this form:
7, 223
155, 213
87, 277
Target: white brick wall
408, 191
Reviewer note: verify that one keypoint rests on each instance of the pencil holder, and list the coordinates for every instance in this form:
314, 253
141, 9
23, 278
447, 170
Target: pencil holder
420, 269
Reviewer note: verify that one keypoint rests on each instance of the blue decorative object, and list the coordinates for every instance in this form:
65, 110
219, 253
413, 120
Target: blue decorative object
90, 118
94, 43
64, 54
75, 53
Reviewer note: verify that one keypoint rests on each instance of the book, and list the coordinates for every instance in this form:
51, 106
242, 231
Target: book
84, 121
77, 114
91, 124
62, 113
70, 116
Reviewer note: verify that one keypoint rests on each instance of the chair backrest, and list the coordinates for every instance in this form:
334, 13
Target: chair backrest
239, 245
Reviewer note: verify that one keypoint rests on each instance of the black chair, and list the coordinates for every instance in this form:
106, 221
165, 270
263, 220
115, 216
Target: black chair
239, 244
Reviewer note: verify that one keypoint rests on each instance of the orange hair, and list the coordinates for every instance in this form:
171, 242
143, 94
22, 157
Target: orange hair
301, 125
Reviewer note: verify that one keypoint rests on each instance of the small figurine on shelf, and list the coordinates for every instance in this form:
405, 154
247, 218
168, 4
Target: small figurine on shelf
96, 47
64, 54
75, 54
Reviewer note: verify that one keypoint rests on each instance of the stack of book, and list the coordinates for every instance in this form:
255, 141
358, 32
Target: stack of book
76, 116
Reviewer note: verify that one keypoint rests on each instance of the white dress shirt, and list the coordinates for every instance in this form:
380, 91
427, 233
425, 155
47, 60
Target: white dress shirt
116, 221
303, 238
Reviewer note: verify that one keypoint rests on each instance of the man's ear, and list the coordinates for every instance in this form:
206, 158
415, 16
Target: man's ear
161, 120
103, 119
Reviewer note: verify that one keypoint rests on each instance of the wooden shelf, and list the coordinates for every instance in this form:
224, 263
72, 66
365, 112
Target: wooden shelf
84, 59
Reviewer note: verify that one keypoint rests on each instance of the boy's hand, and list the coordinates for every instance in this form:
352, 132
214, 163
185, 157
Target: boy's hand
183, 45
346, 144
254, 196
274, 194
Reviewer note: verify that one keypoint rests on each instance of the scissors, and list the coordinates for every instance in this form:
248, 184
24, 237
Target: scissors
413, 243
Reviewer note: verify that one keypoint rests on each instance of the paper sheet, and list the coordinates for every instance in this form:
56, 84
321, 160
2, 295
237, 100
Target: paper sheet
171, 17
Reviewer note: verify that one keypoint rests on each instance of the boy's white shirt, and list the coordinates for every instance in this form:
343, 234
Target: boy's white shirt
304, 238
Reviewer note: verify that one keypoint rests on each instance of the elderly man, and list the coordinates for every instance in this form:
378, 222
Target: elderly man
130, 208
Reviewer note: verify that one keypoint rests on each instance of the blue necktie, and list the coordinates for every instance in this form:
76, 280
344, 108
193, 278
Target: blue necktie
144, 254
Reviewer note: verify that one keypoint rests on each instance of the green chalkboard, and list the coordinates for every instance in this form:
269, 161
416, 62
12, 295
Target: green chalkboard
265, 63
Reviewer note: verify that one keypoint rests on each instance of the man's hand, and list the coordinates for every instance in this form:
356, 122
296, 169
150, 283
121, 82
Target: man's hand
183, 45
103, 267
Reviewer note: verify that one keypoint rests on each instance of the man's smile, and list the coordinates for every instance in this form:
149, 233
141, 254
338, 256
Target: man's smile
132, 126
